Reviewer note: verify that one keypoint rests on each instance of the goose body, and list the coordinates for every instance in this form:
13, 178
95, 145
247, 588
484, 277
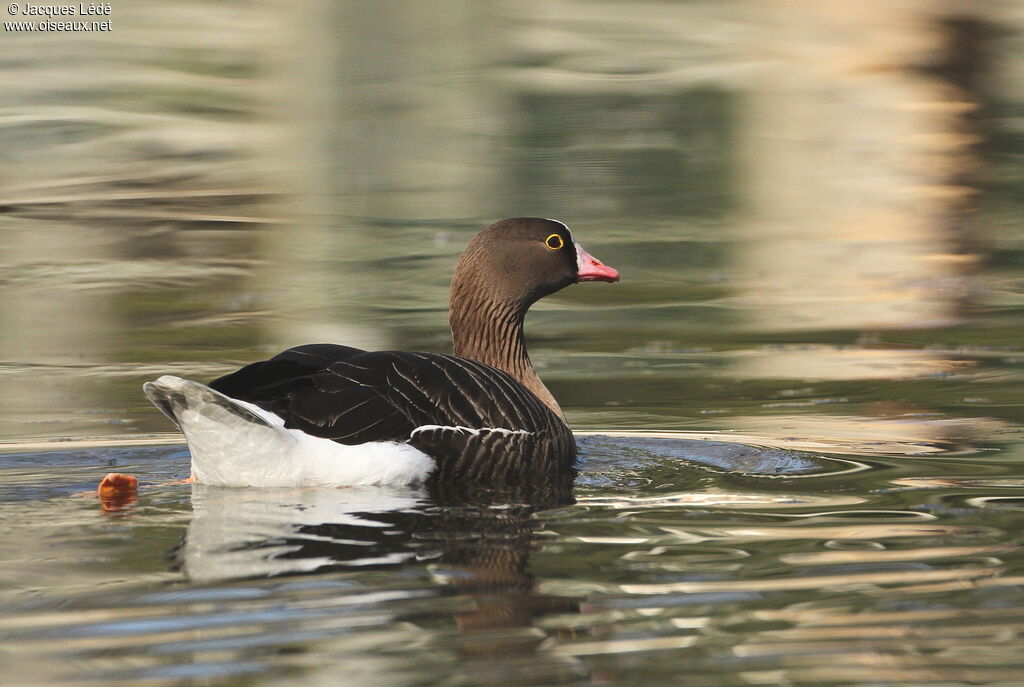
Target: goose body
332, 415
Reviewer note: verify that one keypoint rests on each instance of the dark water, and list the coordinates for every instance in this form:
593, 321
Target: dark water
799, 412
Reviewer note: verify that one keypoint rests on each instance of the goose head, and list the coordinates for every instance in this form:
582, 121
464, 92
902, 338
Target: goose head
515, 262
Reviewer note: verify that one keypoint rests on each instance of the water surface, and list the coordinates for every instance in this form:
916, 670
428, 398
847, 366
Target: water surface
799, 412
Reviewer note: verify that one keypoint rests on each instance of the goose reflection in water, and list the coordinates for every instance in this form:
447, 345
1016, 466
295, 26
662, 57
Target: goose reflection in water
474, 541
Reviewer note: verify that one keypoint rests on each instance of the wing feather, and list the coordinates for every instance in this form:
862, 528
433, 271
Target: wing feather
353, 396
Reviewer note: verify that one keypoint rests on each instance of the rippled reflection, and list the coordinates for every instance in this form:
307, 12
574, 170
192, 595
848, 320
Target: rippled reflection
239, 533
633, 575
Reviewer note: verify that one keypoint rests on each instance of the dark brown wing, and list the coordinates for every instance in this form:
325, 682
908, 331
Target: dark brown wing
460, 411
350, 407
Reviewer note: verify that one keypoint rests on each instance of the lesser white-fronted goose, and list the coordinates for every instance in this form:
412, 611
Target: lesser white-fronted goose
325, 414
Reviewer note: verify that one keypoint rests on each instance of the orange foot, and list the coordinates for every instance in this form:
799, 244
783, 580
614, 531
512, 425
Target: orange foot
117, 491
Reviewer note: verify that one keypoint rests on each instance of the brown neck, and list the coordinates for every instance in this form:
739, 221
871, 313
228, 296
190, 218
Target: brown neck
489, 329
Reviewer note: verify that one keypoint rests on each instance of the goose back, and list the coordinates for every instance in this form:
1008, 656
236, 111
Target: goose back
475, 421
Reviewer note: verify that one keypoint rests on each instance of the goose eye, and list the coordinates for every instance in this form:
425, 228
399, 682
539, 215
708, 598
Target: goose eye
554, 242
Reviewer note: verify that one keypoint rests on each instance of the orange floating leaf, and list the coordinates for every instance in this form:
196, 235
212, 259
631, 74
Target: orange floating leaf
117, 491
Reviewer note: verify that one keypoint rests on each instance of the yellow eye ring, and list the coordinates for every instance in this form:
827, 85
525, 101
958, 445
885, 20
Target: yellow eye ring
554, 242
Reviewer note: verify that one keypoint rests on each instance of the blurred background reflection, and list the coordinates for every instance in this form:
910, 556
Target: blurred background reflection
816, 208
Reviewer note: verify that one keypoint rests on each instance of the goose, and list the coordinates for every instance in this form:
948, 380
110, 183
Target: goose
333, 415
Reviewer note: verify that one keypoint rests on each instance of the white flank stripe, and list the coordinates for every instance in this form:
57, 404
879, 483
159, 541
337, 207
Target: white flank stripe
470, 430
